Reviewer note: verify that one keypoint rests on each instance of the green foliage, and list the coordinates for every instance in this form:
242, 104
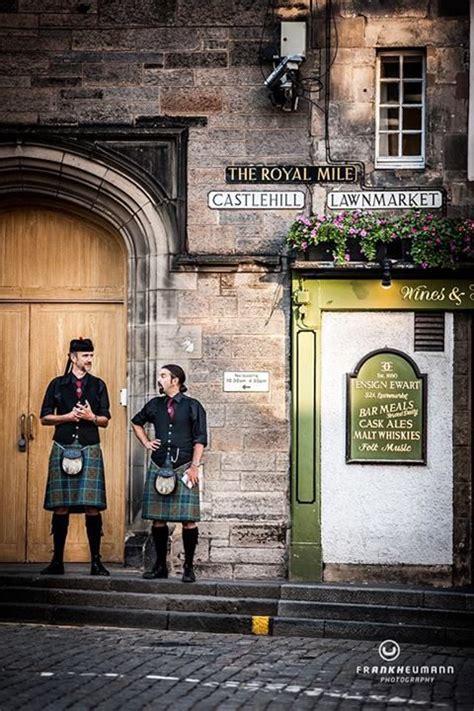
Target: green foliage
433, 241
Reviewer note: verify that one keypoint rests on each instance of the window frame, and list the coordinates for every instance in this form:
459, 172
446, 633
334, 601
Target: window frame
400, 161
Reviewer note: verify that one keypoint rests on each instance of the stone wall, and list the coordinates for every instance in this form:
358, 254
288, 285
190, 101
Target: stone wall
109, 62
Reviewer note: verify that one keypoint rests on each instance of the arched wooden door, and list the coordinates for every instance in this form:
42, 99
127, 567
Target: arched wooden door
61, 276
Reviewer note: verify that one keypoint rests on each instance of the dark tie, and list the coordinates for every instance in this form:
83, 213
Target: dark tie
170, 408
78, 389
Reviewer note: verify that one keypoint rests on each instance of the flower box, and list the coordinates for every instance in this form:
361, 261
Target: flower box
421, 238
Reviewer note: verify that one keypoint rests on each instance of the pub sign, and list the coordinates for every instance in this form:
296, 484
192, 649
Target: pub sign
386, 410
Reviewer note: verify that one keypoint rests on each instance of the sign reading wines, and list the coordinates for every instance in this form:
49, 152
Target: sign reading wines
386, 410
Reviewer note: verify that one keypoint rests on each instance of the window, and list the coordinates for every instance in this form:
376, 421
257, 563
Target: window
400, 119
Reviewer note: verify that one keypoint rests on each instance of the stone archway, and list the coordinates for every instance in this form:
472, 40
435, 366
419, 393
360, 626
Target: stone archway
144, 218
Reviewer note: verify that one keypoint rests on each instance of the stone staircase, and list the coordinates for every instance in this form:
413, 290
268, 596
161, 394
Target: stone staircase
423, 615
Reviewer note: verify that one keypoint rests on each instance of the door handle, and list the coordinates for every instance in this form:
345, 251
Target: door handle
22, 438
30, 422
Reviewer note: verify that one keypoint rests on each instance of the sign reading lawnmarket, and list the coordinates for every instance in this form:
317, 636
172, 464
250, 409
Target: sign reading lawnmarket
386, 410
385, 200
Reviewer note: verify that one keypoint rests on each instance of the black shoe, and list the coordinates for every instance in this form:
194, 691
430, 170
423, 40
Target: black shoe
56, 567
159, 571
188, 574
97, 568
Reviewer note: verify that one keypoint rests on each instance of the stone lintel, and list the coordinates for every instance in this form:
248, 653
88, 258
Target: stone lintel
227, 262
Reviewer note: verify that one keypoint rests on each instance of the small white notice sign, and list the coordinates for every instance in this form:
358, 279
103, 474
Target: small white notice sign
246, 382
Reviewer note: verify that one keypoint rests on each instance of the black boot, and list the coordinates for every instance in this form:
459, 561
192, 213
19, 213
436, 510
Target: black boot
59, 528
94, 532
190, 539
160, 539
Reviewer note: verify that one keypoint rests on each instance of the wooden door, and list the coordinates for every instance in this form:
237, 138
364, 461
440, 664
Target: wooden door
14, 341
53, 326
61, 276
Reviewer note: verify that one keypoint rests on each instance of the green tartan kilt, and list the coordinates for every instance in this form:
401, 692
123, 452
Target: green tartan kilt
76, 492
181, 505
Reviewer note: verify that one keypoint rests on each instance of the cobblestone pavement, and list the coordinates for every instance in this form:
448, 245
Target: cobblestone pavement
48, 667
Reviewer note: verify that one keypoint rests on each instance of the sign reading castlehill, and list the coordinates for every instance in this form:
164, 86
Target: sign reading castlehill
386, 410
253, 174
385, 199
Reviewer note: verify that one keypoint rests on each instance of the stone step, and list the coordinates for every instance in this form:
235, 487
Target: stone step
135, 583
323, 610
144, 601
377, 613
230, 624
379, 595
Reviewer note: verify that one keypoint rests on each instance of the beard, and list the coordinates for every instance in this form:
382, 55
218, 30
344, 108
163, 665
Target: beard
160, 389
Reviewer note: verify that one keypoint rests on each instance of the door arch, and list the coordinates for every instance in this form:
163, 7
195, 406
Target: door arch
61, 276
111, 191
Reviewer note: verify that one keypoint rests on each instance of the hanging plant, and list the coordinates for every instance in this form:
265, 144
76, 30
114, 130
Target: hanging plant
431, 240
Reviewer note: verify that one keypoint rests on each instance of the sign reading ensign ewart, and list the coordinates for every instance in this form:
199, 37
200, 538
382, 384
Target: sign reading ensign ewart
386, 410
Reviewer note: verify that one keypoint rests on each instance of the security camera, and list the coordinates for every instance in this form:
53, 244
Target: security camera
291, 62
283, 81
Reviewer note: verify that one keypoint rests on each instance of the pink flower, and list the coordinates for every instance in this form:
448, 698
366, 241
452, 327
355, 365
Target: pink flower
363, 233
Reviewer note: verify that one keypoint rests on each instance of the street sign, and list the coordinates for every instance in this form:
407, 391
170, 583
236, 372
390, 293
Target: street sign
256, 200
246, 381
385, 199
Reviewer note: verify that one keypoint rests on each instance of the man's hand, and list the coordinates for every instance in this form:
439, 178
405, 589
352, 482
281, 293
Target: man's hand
73, 416
193, 474
152, 444
84, 412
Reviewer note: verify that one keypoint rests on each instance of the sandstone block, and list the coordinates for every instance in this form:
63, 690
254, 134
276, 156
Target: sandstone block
184, 102
245, 571
261, 482
248, 461
246, 506
270, 534
270, 556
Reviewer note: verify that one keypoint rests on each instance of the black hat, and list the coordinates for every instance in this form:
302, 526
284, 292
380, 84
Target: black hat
81, 345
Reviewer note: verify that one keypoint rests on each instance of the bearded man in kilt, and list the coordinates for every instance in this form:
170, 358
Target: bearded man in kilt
180, 437
76, 405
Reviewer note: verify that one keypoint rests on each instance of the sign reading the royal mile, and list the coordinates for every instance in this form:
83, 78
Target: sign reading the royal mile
346, 173
386, 410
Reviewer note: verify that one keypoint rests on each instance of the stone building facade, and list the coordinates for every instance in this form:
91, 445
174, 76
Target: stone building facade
131, 112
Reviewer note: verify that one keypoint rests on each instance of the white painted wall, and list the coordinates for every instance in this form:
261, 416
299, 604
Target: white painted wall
374, 513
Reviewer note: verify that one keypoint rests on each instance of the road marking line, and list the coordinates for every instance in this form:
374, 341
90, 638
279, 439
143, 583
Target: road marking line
47, 674
162, 678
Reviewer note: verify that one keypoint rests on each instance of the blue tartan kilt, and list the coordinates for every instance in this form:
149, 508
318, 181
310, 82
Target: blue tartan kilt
76, 492
181, 505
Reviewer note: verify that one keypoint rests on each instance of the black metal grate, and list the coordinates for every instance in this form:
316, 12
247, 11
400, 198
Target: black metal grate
429, 331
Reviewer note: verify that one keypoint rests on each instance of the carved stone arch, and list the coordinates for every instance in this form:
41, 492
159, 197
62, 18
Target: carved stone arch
109, 190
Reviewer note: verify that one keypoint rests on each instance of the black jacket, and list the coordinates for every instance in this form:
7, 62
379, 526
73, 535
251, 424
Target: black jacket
60, 398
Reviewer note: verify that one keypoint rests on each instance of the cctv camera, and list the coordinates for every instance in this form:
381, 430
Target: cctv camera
290, 62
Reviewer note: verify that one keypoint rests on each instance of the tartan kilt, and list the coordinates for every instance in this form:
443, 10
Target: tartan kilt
76, 492
181, 505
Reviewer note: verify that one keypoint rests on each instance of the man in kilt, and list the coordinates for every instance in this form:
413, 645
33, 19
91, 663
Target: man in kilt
76, 404
180, 437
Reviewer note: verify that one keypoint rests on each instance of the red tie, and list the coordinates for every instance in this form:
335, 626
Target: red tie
170, 408
79, 389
